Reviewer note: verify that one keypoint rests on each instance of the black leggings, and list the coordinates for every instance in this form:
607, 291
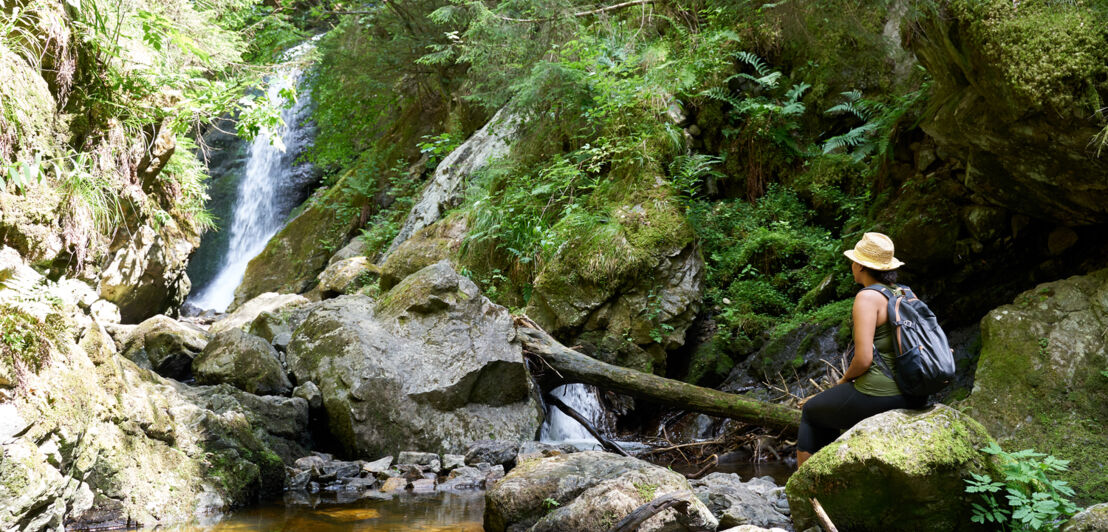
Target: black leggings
831, 411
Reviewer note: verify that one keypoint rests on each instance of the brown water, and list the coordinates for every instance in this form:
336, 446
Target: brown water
440, 511
408, 512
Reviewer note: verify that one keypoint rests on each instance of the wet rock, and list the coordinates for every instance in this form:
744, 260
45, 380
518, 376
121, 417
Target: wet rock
417, 458
1060, 240
394, 484
166, 345
463, 478
298, 480
1039, 380
492, 452
247, 312
347, 276
735, 503
396, 374
244, 361
377, 467
593, 490
920, 457
423, 485
452, 461
1091, 519
280, 422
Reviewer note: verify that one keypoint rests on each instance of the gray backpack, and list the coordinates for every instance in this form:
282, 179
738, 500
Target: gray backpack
924, 361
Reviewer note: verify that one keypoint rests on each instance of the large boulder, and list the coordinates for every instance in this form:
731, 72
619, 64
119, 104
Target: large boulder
635, 317
447, 186
244, 361
590, 490
279, 422
1033, 70
919, 459
146, 272
434, 365
247, 312
1039, 381
425, 247
166, 346
90, 439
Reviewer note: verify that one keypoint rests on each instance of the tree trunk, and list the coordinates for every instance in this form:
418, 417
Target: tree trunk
570, 366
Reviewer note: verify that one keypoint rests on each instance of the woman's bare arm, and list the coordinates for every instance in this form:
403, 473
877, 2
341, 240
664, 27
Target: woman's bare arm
867, 305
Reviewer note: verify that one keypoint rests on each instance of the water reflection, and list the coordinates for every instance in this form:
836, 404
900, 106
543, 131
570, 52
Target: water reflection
440, 511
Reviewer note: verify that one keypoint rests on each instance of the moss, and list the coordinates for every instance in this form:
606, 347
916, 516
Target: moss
1048, 53
920, 461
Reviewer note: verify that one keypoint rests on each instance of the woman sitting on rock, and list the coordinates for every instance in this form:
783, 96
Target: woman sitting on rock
864, 390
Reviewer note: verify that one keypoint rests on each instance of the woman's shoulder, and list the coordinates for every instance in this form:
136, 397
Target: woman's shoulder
870, 297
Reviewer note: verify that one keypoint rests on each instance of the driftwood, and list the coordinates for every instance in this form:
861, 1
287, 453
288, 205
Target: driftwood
679, 501
608, 444
570, 366
824, 519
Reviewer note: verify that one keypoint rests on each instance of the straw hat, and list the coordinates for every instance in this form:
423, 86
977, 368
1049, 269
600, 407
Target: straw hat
874, 251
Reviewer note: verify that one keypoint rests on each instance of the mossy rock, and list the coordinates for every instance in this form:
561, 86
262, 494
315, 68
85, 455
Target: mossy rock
1040, 381
900, 470
1038, 71
296, 255
427, 246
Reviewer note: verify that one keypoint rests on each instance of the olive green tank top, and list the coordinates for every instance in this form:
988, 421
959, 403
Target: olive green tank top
874, 381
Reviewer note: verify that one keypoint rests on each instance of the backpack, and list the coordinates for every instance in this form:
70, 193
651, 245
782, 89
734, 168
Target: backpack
924, 361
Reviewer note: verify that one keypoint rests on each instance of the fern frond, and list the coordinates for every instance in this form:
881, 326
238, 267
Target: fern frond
754, 61
796, 92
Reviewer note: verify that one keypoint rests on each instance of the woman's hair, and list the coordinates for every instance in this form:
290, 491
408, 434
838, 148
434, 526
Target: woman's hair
883, 276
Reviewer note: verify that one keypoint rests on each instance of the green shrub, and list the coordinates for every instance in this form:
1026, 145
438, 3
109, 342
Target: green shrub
1032, 499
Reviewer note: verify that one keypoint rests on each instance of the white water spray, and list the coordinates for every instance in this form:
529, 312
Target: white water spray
559, 427
259, 211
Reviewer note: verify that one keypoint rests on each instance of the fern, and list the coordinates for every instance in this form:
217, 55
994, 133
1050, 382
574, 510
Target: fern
873, 137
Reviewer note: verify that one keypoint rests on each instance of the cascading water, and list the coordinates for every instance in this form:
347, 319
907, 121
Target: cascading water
272, 186
559, 427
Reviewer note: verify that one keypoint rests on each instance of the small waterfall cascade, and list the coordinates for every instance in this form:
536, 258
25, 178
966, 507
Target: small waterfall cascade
559, 427
269, 190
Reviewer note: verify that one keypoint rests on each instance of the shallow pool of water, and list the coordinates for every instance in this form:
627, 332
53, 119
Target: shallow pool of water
408, 512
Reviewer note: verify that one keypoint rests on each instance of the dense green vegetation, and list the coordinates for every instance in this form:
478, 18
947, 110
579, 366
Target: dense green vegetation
781, 173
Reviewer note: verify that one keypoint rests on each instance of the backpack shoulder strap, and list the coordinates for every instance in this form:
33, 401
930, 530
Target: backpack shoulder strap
884, 290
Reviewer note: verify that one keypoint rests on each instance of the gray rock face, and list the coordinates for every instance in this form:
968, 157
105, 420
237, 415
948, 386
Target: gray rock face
280, 422
124, 445
433, 365
165, 345
736, 503
147, 275
247, 312
593, 490
445, 189
921, 458
243, 361
1091, 519
1039, 381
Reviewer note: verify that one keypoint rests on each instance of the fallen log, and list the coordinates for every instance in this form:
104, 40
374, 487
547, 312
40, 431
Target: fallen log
569, 411
571, 366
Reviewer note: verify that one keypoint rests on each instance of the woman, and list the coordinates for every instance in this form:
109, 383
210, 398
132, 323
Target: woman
864, 390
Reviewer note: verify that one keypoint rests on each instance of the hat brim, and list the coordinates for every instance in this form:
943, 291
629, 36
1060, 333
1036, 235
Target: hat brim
891, 265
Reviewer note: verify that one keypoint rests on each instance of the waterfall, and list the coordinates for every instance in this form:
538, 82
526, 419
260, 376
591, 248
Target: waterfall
271, 187
558, 427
